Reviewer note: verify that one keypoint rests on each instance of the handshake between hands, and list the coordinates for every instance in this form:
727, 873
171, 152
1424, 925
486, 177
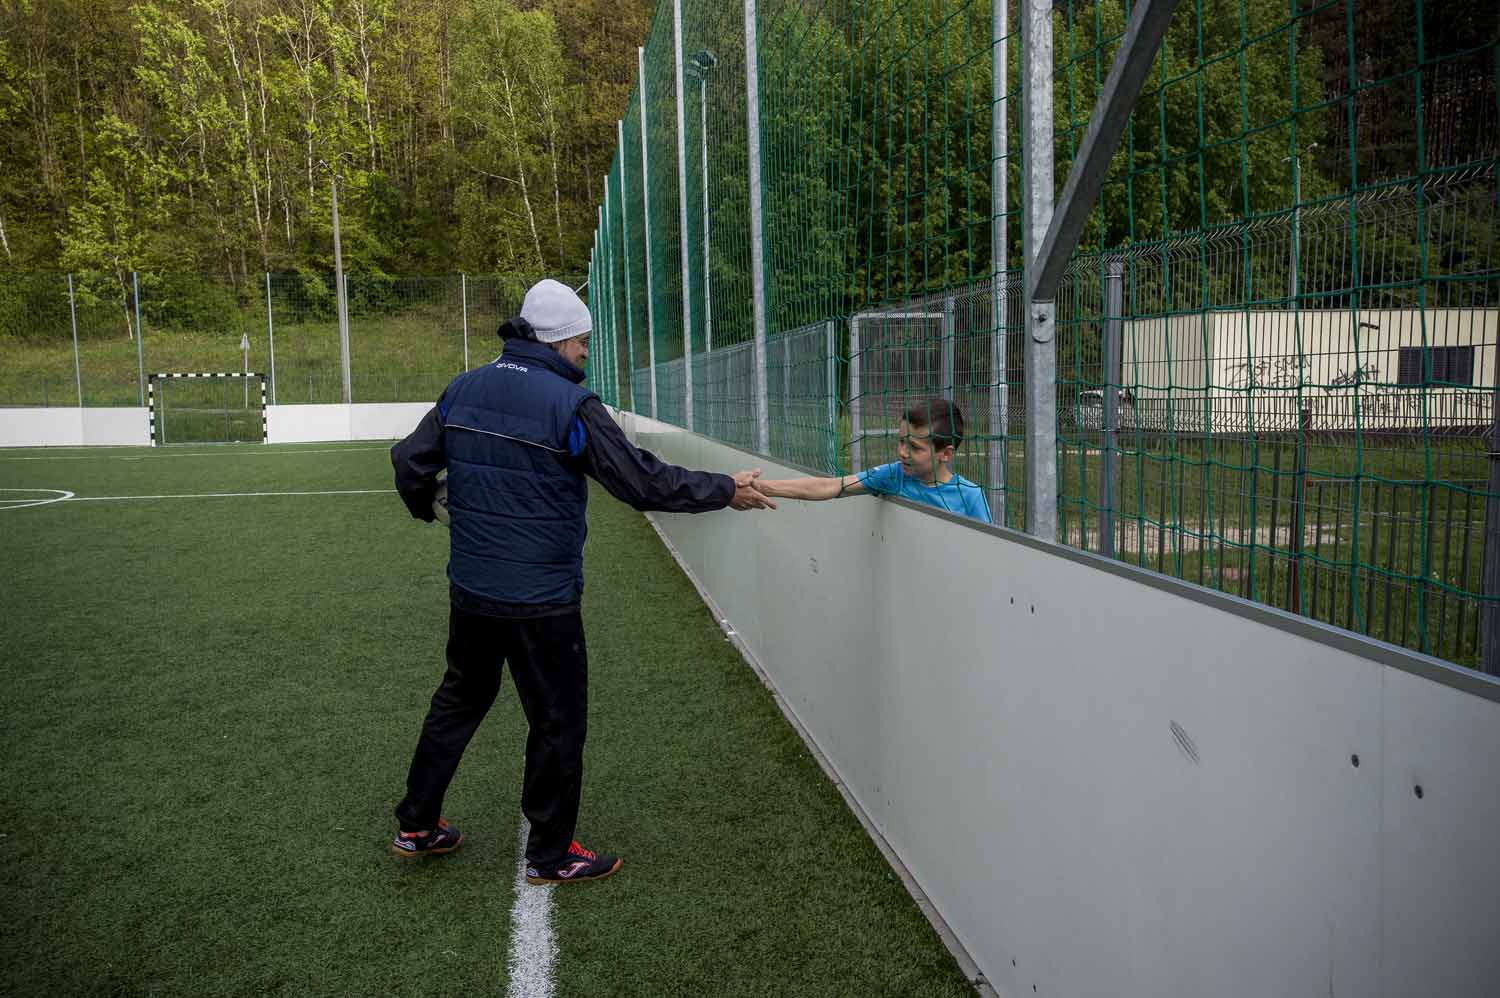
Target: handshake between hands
747, 495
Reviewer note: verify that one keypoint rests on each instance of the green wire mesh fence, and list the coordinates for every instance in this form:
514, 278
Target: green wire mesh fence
1275, 360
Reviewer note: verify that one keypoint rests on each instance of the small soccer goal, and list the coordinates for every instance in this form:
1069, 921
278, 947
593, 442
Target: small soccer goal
206, 407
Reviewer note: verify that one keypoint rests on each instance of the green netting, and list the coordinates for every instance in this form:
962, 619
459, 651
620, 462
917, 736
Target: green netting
663, 232
1303, 218
633, 235
1276, 352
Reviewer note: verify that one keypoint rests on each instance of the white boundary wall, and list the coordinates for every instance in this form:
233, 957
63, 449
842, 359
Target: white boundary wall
1109, 783
74, 427
358, 421
130, 426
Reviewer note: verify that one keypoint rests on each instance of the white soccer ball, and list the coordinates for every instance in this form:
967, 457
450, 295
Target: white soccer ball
440, 503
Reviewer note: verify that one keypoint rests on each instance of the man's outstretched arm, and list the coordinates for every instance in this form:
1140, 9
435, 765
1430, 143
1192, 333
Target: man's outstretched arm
640, 479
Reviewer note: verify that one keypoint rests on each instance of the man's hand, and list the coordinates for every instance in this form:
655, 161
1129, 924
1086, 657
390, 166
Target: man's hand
746, 495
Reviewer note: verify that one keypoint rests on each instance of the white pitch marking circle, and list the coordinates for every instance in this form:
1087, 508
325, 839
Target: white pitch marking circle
56, 495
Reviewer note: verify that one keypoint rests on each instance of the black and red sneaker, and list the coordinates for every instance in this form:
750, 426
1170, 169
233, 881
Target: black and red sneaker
578, 864
434, 842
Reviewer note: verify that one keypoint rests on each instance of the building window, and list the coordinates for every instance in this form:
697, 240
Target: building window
1453, 365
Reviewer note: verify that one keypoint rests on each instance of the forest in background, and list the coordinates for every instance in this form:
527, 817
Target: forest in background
199, 136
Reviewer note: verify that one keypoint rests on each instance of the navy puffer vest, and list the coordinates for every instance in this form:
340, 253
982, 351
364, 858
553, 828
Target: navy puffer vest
516, 495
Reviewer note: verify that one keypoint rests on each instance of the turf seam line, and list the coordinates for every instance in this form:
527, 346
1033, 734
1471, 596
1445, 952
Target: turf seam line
533, 948
966, 963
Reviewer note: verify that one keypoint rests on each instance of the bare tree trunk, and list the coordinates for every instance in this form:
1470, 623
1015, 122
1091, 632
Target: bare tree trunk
443, 68
556, 186
263, 99
251, 170
41, 116
515, 131
78, 117
124, 298
361, 13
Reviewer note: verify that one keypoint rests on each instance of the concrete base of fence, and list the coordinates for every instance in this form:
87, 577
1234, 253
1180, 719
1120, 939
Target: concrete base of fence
1111, 782
74, 427
287, 424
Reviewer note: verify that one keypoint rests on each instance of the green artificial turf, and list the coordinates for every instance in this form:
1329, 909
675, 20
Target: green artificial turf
207, 711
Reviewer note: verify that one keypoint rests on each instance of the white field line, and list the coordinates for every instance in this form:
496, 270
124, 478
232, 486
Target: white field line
223, 453
532, 946
63, 496
230, 495
26, 501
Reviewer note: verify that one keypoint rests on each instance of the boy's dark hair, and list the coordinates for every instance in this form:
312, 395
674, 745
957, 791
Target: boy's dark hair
943, 420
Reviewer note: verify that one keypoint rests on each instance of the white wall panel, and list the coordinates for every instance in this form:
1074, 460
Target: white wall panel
385, 420
41, 427
290, 424
127, 427
1125, 784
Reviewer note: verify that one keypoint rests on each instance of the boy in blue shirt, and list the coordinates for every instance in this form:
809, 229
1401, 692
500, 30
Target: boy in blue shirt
931, 431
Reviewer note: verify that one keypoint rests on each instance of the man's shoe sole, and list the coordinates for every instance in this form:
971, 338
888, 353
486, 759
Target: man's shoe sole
544, 882
426, 852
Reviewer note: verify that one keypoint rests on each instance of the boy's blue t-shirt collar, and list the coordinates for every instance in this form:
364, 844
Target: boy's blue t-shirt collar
957, 495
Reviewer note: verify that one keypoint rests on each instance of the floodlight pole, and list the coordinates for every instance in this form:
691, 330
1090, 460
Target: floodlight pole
999, 256
1050, 240
77, 367
463, 301
635, 403
271, 337
640, 57
1041, 344
682, 214
701, 64
140, 348
343, 304
757, 241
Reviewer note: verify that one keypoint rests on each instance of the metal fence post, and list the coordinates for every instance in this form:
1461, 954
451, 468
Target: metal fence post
463, 299
77, 366
854, 399
999, 256
948, 348
640, 56
635, 403
1489, 626
832, 380
757, 234
271, 337
682, 213
140, 337
786, 390
1041, 327
1108, 490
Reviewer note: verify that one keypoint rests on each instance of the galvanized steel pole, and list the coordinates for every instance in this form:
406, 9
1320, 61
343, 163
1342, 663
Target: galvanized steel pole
757, 240
999, 256
640, 56
1041, 343
682, 215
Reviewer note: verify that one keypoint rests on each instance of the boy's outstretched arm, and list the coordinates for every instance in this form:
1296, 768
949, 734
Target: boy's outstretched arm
811, 488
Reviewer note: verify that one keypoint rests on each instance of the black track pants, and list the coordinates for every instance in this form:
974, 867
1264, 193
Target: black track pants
549, 665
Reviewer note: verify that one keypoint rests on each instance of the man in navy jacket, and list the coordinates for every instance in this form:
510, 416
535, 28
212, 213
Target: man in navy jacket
517, 437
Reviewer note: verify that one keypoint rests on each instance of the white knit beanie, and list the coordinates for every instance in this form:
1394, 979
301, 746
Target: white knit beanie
555, 312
